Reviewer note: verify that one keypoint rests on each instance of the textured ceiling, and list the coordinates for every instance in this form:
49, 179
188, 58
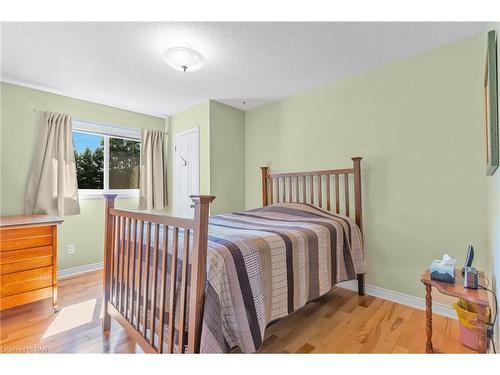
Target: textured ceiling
121, 64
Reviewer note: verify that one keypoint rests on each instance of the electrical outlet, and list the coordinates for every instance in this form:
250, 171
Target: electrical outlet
71, 249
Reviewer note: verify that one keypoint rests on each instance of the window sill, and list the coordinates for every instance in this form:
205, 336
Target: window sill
99, 194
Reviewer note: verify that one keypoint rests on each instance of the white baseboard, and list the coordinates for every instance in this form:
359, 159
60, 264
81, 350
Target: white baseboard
70, 272
401, 298
375, 291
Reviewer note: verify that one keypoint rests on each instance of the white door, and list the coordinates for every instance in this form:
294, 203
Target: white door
186, 172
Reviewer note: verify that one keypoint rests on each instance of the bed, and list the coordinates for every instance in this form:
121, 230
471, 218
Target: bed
210, 284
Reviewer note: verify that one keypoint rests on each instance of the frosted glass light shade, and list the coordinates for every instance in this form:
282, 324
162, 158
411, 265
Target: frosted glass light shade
183, 59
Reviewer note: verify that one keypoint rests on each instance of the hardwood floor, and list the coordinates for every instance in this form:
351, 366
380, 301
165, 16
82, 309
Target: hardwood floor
341, 322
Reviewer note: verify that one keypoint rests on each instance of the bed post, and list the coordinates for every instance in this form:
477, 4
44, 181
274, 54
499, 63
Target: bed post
357, 192
108, 243
265, 171
358, 213
198, 270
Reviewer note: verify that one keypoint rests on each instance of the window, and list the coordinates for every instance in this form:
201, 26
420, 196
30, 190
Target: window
107, 159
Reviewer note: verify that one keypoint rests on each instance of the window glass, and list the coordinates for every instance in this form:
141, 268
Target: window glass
124, 159
89, 157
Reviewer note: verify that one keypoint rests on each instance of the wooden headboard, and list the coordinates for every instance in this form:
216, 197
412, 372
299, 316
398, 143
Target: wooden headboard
317, 188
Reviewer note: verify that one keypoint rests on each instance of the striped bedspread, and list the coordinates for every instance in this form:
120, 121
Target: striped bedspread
264, 264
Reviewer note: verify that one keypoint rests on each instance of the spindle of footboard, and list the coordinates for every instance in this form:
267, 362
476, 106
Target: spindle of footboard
320, 192
139, 275
198, 270
126, 267
184, 281
133, 244
121, 260
269, 199
146, 283
311, 188
346, 193
155, 278
328, 205
278, 190
173, 274
304, 194
337, 194
163, 286
131, 267
296, 188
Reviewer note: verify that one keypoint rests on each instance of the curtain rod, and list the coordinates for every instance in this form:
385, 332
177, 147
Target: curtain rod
80, 119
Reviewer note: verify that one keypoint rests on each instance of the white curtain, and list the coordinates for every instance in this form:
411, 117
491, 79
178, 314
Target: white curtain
52, 186
152, 184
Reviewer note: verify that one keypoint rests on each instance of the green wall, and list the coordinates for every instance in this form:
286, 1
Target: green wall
227, 158
221, 132
418, 124
18, 137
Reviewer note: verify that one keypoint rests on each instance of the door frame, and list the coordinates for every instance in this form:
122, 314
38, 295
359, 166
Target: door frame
196, 130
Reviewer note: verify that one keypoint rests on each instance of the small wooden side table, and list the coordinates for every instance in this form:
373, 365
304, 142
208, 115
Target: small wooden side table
476, 296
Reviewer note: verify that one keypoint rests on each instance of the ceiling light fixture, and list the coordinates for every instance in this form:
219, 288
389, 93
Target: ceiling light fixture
183, 58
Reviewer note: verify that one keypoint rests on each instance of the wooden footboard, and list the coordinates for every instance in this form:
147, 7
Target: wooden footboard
155, 315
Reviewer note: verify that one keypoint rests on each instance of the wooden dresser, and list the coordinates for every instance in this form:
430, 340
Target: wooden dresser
28, 259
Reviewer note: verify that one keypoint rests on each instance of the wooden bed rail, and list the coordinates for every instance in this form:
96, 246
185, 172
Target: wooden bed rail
317, 188
147, 306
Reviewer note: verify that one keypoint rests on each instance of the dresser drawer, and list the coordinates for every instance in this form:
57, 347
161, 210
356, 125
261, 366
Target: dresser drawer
22, 238
8, 234
25, 259
24, 265
26, 297
19, 282
25, 254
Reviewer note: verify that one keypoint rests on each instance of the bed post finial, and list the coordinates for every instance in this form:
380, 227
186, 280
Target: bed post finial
106, 275
265, 172
198, 269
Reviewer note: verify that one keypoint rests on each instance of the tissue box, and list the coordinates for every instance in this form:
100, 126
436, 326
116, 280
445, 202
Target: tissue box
442, 273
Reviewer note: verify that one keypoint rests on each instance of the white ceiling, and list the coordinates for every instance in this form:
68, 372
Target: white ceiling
121, 64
